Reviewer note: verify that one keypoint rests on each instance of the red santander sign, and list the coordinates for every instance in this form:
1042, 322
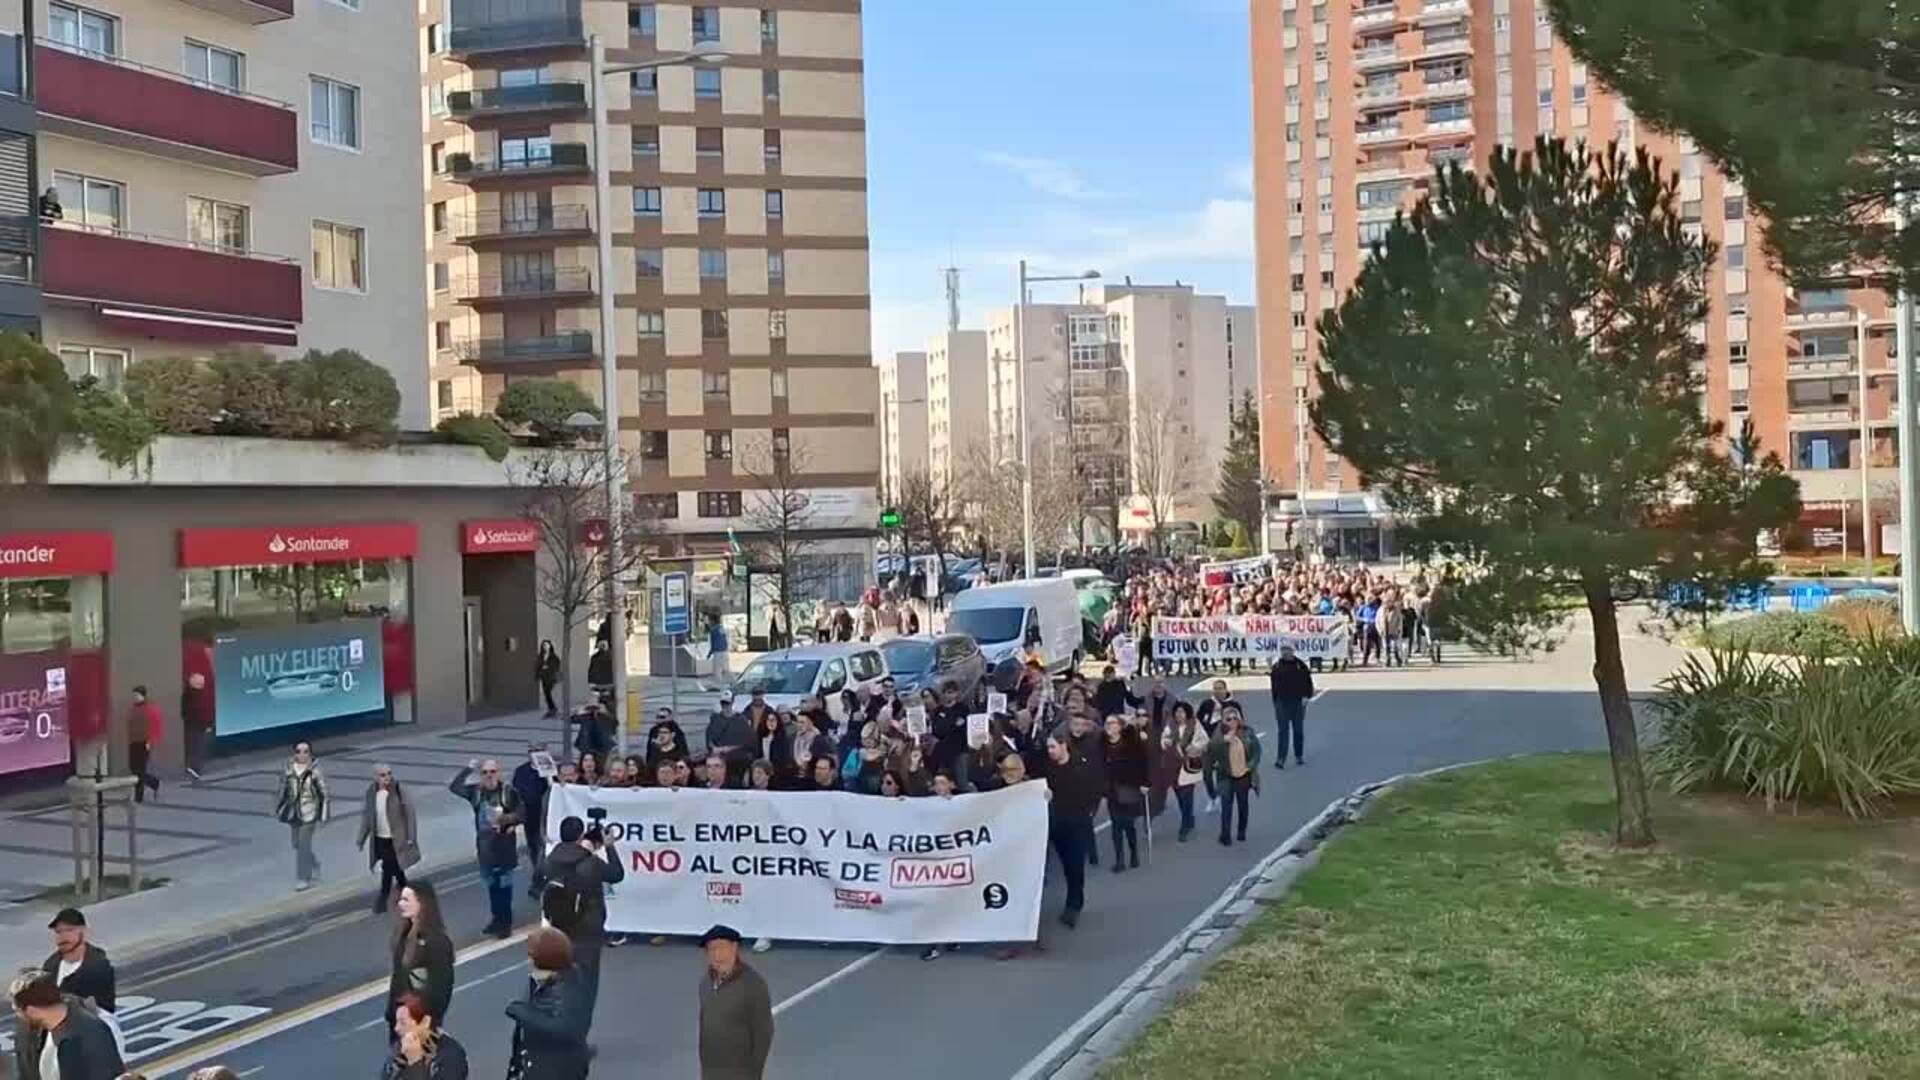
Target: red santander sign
287, 544
55, 554
505, 536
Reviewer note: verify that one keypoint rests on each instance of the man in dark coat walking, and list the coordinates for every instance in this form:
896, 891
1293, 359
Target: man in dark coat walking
1291, 683
736, 1012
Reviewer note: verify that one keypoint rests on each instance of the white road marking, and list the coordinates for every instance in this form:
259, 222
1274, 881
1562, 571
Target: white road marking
815, 987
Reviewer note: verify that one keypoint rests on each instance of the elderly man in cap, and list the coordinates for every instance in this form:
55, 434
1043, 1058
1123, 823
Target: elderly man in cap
736, 1012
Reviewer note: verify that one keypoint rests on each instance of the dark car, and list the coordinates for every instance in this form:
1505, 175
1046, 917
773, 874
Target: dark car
923, 661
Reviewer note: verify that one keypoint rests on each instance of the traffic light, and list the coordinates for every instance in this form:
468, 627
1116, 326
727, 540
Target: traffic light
889, 518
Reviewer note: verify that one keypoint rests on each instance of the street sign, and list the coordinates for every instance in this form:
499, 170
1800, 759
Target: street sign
676, 604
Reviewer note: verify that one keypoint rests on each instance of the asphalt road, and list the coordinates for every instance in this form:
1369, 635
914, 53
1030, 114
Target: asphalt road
309, 1009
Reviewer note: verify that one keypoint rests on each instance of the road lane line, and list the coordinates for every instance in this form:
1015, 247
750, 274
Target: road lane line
305, 1014
810, 990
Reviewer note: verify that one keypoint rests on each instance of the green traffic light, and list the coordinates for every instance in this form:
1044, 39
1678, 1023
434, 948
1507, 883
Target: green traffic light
889, 518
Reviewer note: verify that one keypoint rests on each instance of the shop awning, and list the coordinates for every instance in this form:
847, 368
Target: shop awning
194, 327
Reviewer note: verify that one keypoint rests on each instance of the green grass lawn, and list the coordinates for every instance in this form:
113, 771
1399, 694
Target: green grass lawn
1480, 924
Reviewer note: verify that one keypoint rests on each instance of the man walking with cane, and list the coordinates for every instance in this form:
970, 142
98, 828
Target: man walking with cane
1291, 683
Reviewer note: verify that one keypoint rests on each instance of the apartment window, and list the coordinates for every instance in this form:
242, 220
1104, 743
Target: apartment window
776, 203
1443, 111
1450, 71
653, 445
770, 83
777, 330
74, 27
772, 142
706, 82
1823, 449
442, 277
526, 151
644, 83
713, 263
1819, 393
222, 226
716, 383
1293, 132
339, 256
437, 157
782, 444
713, 323
776, 266
1736, 256
712, 202
1690, 210
769, 26
335, 119
437, 99
1300, 361
653, 387
1737, 304
1736, 208
706, 24
719, 504
210, 65
777, 379
663, 506
91, 201
651, 324
83, 361
1299, 320
649, 263
350, 5
440, 217
1373, 232
646, 140
1297, 282
1736, 352
646, 202
443, 393
436, 38
708, 142
719, 446
641, 19
443, 335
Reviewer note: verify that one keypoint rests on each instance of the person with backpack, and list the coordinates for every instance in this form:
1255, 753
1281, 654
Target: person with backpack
579, 869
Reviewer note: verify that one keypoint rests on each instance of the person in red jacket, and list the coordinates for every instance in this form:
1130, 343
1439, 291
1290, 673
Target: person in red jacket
144, 726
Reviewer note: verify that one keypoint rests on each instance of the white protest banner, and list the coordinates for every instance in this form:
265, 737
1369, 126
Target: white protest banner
1250, 637
1216, 574
821, 867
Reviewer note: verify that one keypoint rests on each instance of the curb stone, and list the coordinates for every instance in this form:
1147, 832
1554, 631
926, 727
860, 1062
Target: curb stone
1119, 1019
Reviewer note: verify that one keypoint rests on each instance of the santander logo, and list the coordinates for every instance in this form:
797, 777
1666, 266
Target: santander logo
30, 555
308, 545
484, 537
277, 545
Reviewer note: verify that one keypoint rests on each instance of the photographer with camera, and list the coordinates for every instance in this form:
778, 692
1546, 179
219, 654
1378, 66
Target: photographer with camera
579, 868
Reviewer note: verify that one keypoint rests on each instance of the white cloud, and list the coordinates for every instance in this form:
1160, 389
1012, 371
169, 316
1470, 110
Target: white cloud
1240, 178
1049, 177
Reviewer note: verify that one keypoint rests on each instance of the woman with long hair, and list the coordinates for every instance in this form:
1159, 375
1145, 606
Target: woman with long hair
422, 1050
1125, 752
546, 668
590, 770
422, 953
1187, 740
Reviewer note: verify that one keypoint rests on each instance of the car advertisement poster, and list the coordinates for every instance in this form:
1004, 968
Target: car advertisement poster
33, 711
286, 675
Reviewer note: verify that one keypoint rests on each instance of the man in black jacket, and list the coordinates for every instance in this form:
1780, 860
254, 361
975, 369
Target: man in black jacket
581, 866
532, 789
1292, 685
78, 966
1076, 784
496, 811
83, 1044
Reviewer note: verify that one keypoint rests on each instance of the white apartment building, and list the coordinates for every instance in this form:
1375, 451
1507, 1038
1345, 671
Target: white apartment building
957, 391
231, 172
903, 420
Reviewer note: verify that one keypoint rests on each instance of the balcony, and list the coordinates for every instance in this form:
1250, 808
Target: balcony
530, 35
1386, 133
1377, 58
558, 97
109, 100
1804, 367
576, 348
1445, 129
1451, 88
563, 159
248, 11
1374, 16
172, 289
550, 223
550, 285
1820, 318
1443, 10
1457, 45
1811, 416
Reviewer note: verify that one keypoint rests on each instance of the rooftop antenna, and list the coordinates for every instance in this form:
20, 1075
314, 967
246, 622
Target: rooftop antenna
951, 275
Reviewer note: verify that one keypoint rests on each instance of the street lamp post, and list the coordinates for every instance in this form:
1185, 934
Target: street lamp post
609, 361
1020, 395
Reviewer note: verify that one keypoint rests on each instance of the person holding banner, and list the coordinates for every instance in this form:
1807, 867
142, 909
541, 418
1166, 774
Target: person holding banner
1234, 759
1076, 787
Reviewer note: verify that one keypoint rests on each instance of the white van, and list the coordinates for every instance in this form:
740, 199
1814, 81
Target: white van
789, 676
1017, 619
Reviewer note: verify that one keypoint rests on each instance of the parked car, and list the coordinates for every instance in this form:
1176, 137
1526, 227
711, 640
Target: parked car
789, 676
937, 662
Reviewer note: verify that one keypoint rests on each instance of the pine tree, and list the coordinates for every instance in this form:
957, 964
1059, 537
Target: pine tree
1513, 371
1238, 498
1809, 102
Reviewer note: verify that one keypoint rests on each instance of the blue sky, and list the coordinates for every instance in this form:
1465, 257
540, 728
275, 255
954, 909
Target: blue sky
1083, 134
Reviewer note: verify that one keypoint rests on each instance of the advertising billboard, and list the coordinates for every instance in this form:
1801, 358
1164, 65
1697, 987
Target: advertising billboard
33, 711
283, 675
